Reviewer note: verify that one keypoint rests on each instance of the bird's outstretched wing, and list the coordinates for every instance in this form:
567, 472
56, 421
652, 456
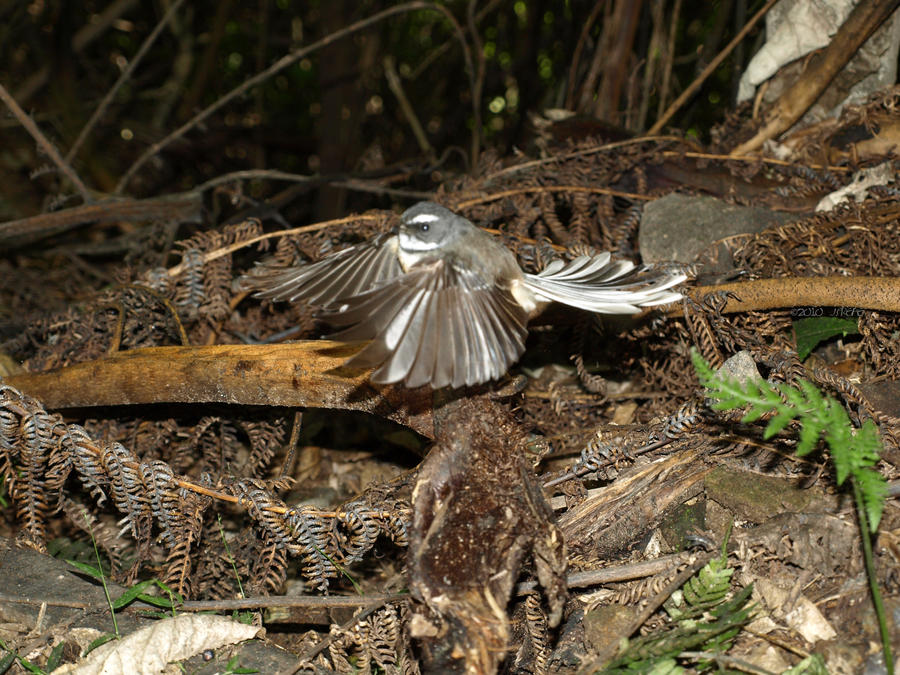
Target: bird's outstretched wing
599, 284
438, 324
342, 275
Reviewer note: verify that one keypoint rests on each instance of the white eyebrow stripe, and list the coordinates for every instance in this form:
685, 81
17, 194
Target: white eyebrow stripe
424, 218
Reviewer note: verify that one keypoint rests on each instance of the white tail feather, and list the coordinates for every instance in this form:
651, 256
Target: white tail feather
599, 284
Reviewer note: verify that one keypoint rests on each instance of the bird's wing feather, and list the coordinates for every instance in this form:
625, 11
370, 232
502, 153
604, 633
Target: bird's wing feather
342, 275
599, 284
438, 324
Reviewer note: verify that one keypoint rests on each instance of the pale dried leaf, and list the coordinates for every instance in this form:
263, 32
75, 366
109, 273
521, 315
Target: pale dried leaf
147, 651
807, 620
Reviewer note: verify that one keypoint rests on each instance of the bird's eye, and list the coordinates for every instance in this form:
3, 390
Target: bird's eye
423, 227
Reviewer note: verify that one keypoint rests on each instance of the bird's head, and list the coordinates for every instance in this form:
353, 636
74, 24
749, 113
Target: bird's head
428, 226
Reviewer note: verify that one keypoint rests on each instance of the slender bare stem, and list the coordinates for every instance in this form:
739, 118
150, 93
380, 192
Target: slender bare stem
123, 78
44, 143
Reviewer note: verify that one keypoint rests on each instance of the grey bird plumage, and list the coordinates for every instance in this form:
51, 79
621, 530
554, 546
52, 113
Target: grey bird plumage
443, 303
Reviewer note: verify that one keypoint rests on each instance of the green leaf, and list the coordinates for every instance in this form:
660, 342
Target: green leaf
131, 594
55, 657
779, 422
102, 640
874, 491
704, 371
7, 661
234, 669
838, 437
753, 414
813, 397
810, 332
809, 436
868, 444
854, 451
665, 667
136, 592
811, 665
92, 572
30, 667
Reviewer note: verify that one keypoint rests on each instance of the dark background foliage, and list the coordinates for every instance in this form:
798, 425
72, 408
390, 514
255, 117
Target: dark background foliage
334, 112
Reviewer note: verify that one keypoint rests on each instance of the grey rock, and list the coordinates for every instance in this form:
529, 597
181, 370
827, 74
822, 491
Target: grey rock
741, 367
678, 227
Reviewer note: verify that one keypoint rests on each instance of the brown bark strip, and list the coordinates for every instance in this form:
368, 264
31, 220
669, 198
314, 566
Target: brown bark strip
185, 207
292, 374
878, 293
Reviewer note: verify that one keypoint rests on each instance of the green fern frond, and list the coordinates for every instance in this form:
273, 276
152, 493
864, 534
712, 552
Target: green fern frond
702, 617
874, 493
855, 451
666, 667
811, 665
710, 585
809, 436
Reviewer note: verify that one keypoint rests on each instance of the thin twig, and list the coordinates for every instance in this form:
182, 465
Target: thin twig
439, 51
315, 651
182, 207
257, 174
313, 601
44, 143
530, 189
366, 186
617, 573
580, 153
670, 59
477, 82
579, 47
583, 579
396, 87
701, 78
232, 499
123, 78
339, 180
37, 602
764, 160
287, 468
280, 65
608, 147
652, 604
227, 250
231, 248
653, 60
569, 474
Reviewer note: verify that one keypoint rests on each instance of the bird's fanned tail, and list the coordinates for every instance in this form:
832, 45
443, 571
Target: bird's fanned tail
599, 284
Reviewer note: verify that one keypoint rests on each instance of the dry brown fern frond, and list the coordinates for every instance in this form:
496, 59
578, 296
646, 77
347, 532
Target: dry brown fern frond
38, 452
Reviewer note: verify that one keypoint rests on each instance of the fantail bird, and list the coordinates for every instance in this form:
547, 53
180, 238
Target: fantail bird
443, 303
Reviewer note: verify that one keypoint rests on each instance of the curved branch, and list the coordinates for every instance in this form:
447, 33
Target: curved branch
308, 373
878, 293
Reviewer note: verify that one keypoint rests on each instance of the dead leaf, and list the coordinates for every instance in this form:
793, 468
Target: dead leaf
148, 650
